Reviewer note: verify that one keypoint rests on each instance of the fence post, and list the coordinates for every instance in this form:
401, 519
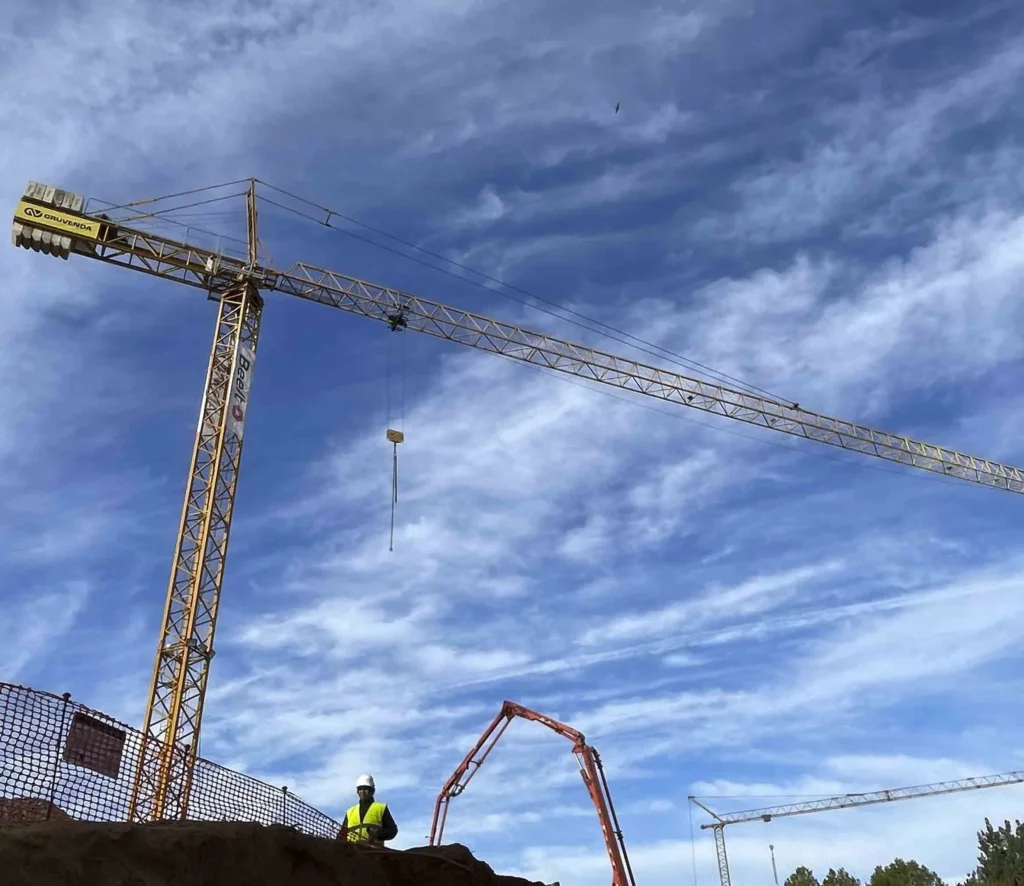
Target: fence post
284, 804
56, 757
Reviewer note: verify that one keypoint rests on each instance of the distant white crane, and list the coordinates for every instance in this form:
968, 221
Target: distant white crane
844, 801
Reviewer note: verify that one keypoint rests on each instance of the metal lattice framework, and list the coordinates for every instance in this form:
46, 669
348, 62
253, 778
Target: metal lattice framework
591, 770
843, 801
60, 759
209, 271
215, 273
723, 858
178, 688
53, 222
474, 330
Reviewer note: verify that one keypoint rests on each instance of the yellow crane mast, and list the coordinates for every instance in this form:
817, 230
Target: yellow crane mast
55, 222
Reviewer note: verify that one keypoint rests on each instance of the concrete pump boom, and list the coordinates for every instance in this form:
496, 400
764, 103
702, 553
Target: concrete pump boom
590, 769
54, 222
843, 801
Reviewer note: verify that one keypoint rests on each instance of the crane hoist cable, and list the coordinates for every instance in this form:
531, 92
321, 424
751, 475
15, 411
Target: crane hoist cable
529, 299
643, 344
396, 323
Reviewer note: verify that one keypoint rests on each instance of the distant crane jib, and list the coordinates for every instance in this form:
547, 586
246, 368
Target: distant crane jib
846, 801
843, 801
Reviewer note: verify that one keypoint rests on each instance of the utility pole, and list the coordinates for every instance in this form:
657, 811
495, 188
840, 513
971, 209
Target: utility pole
775, 870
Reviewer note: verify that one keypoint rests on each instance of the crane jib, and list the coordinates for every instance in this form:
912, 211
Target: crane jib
215, 273
52, 221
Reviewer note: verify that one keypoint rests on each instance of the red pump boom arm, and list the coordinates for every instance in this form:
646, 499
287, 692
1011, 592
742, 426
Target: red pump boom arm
590, 769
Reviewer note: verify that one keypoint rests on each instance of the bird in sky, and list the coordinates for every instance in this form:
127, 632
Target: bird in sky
616, 107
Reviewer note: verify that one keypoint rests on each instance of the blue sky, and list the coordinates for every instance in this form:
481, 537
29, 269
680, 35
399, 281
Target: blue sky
824, 200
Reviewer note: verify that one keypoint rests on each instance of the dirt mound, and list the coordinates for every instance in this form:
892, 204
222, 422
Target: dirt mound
77, 853
24, 809
457, 854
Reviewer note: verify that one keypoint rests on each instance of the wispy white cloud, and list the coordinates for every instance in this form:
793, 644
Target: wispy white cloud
752, 597
866, 662
834, 634
712, 610
33, 626
953, 297
871, 143
850, 773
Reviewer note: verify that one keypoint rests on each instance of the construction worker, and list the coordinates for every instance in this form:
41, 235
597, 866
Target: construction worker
368, 821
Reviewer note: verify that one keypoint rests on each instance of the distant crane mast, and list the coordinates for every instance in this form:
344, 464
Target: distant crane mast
843, 801
54, 222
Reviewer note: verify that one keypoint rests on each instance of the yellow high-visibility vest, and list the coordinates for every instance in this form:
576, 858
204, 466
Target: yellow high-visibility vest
357, 832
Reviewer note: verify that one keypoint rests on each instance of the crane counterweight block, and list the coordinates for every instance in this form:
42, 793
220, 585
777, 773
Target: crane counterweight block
51, 221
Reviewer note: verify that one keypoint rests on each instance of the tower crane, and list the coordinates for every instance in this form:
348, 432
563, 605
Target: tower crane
843, 801
56, 222
591, 770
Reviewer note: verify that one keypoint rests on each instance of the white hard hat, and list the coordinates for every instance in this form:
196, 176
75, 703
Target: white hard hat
365, 781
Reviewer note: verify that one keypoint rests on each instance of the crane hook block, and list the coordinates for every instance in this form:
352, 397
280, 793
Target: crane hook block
395, 436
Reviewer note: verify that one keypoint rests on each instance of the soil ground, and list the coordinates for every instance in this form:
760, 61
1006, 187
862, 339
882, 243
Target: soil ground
77, 853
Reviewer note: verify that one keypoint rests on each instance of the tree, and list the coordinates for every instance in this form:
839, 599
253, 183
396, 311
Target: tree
802, 877
839, 878
904, 873
1000, 855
